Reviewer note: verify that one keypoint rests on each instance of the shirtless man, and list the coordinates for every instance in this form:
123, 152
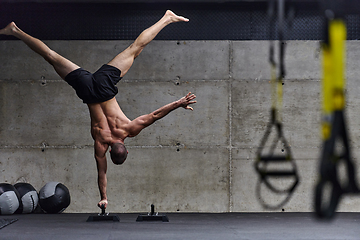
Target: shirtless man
109, 125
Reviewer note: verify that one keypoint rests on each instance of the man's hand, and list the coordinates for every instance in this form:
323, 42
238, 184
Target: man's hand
139, 123
103, 202
188, 99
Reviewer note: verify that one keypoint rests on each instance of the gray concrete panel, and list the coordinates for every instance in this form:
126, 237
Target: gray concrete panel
52, 113
21, 63
206, 125
301, 113
251, 103
250, 60
188, 180
352, 60
250, 112
352, 110
159, 61
75, 168
183, 60
245, 180
174, 179
36, 112
303, 60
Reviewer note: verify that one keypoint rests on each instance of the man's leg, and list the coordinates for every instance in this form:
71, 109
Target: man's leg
125, 59
61, 65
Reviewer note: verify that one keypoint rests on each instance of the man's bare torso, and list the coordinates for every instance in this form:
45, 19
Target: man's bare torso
108, 122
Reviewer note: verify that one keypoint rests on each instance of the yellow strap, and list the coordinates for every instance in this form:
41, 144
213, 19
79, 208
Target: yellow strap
276, 93
326, 91
327, 80
333, 74
337, 38
273, 86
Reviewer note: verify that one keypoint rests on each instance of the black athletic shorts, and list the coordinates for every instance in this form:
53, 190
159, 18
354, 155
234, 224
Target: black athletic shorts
97, 87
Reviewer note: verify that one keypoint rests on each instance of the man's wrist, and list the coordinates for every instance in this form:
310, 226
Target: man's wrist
177, 103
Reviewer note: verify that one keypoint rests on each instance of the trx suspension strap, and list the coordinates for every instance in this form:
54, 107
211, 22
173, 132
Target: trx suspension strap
335, 149
263, 160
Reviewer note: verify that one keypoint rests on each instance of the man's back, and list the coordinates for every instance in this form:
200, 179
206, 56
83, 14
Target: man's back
108, 122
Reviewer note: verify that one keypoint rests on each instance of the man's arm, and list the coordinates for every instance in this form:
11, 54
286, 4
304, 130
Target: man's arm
101, 164
144, 121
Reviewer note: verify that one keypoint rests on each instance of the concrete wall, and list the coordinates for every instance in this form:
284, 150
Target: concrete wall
200, 161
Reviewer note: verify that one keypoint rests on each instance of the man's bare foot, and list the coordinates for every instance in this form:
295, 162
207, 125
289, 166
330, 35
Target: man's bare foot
175, 18
9, 29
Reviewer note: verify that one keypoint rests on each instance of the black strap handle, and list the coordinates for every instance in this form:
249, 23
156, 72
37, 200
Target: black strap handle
263, 161
326, 210
267, 175
272, 158
329, 163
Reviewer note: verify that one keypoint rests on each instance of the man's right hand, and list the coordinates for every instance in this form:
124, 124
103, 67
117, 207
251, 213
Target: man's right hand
103, 202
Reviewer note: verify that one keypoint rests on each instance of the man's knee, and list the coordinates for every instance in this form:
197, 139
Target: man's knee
137, 51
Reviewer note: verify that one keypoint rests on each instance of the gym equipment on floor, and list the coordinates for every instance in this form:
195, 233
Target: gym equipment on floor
152, 216
103, 216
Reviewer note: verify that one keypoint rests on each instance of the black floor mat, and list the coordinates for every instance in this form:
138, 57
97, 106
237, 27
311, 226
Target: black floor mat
6, 222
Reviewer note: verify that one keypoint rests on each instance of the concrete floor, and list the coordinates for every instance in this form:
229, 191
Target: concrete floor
262, 226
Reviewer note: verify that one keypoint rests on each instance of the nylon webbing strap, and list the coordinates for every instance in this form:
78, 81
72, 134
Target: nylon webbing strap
263, 160
336, 147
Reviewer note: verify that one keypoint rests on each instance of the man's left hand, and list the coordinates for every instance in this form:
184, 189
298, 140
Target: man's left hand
188, 99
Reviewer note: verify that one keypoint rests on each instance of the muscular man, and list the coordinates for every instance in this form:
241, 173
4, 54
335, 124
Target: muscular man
109, 125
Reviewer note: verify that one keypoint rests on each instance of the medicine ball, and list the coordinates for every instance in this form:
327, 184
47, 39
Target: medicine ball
28, 196
54, 197
9, 199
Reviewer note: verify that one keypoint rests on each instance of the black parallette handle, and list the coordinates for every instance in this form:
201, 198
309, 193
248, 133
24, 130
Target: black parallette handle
152, 209
102, 209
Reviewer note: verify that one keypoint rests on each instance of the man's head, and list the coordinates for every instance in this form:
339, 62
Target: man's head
118, 153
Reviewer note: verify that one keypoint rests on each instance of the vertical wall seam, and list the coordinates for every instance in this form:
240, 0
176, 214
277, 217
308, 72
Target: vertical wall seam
230, 124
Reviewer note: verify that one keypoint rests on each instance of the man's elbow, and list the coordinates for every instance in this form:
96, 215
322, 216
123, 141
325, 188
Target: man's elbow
149, 119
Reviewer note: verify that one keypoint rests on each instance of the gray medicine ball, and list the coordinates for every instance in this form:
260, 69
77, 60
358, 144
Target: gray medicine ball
9, 199
28, 196
54, 197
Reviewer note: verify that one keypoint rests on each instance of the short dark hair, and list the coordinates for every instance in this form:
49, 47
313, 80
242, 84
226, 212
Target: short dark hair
118, 153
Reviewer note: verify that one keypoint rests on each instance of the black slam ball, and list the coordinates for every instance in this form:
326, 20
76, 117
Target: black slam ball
54, 197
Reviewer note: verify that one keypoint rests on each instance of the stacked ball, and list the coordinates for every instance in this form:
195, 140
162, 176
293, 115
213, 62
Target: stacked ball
54, 197
23, 198
28, 198
9, 199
